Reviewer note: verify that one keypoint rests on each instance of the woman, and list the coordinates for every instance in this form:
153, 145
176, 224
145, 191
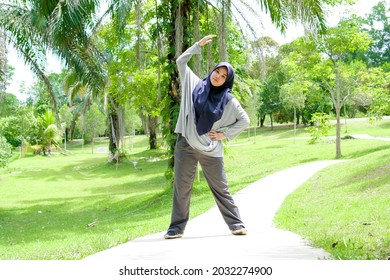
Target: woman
208, 114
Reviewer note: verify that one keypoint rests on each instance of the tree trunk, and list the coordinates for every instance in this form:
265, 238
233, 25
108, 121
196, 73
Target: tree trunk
113, 130
139, 30
345, 119
338, 109
222, 36
152, 126
48, 84
262, 120
3, 63
196, 23
179, 14
53, 97
173, 87
72, 129
338, 134
295, 124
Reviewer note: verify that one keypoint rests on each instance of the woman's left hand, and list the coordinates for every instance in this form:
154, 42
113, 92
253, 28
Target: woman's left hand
216, 136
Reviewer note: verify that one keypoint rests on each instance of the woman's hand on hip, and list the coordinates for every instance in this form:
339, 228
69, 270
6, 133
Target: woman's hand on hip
206, 39
216, 136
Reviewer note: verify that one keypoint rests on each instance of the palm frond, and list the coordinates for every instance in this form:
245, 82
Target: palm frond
308, 12
120, 11
23, 34
247, 13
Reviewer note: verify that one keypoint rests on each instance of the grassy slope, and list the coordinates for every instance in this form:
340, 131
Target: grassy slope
345, 208
47, 203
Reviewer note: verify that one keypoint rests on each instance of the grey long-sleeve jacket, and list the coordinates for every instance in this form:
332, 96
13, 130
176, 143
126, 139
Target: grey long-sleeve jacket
233, 121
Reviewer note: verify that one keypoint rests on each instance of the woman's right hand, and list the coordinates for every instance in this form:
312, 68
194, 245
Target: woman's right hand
206, 39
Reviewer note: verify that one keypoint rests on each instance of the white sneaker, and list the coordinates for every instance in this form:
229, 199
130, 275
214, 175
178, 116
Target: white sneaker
241, 231
171, 234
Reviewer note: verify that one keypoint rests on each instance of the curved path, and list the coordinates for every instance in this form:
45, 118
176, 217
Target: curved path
366, 136
208, 238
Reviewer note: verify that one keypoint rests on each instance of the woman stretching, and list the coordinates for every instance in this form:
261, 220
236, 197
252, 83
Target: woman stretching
208, 114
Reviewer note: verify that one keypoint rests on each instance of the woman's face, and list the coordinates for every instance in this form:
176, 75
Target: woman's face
219, 76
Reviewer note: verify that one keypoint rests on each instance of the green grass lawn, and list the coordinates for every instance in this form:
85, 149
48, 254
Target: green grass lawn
345, 208
68, 207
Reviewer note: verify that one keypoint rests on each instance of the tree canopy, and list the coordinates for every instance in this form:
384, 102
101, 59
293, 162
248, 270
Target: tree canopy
121, 56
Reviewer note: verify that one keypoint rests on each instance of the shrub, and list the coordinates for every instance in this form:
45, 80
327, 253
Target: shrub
5, 152
320, 128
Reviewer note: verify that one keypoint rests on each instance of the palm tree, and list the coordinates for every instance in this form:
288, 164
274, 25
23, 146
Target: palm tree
79, 98
50, 134
34, 26
21, 26
67, 28
308, 12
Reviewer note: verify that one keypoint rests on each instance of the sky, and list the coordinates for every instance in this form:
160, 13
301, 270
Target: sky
23, 74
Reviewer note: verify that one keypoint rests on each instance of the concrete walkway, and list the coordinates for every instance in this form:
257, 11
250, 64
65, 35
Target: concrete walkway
208, 238
369, 137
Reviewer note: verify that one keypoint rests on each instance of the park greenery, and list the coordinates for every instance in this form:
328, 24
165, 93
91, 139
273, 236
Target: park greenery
119, 84
68, 207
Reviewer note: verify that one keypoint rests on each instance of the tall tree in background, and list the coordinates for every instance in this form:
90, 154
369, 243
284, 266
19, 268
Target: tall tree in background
79, 99
61, 27
336, 44
3, 63
151, 113
176, 15
65, 28
179, 31
379, 29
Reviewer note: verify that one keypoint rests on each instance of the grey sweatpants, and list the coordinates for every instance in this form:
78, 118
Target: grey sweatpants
186, 159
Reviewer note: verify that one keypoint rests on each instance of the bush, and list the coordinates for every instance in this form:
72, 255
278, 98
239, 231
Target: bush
320, 128
5, 152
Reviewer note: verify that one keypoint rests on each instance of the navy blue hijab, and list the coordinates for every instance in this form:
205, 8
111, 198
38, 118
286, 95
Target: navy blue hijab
210, 101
